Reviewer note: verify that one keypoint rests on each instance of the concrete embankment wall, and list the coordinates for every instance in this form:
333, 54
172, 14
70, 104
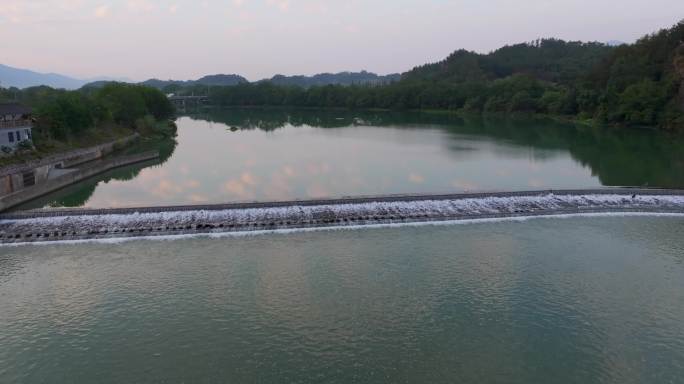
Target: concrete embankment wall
16, 177
48, 186
84, 224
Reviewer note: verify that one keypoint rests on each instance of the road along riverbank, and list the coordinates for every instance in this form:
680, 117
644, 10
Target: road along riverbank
85, 224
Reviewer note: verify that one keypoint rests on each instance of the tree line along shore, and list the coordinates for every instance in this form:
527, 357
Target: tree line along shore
66, 120
638, 84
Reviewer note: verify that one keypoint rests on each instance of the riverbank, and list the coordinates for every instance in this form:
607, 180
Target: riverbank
64, 121
24, 181
19, 181
66, 177
47, 148
71, 157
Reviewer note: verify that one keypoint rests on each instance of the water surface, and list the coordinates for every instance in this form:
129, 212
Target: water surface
565, 301
282, 155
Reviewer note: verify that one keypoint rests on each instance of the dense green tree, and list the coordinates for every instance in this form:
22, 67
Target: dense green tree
125, 102
63, 114
156, 103
634, 84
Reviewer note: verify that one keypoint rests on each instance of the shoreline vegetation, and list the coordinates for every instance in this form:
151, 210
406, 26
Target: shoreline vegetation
68, 120
631, 85
460, 113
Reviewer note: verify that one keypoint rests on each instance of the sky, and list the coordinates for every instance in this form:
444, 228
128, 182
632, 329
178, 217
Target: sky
186, 39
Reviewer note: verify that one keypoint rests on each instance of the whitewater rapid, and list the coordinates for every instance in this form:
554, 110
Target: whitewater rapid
50, 226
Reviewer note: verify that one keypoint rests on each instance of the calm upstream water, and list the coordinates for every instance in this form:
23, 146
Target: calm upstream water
280, 155
510, 302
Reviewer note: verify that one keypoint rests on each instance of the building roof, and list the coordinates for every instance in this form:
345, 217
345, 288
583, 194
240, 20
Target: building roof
14, 109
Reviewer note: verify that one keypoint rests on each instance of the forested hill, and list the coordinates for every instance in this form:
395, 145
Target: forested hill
321, 79
341, 78
549, 60
210, 80
635, 85
641, 83
171, 86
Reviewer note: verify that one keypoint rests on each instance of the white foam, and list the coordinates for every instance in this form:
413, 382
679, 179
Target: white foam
484, 205
342, 227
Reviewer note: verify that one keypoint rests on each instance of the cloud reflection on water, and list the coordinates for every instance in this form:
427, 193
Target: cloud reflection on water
279, 155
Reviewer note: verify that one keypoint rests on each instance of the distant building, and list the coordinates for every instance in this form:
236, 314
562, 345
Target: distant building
15, 126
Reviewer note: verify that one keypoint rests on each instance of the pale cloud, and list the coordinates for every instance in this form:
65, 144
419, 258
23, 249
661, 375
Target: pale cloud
279, 188
317, 191
535, 183
240, 188
316, 7
234, 187
248, 179
289, 171
140, 6
464, 185
237, 31
12, 11
416, 178
102, 11
165, 189
197, 198
283, 5
315, 169
192, 184
352, 29
254, 39
244, 16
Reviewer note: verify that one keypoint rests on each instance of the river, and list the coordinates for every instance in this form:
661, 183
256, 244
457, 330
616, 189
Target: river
576, 300
564, 299
233, 155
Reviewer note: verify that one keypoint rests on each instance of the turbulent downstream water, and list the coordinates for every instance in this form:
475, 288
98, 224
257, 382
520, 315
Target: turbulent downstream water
576, 300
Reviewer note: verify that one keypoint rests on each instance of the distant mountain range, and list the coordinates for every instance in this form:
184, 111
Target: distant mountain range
211, 80
24, 78
548, 60
341, 78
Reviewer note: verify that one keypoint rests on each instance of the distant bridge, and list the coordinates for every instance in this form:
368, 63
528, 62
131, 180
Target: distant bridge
183, 101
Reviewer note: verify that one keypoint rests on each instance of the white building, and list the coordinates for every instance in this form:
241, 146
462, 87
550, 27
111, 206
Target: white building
15, 126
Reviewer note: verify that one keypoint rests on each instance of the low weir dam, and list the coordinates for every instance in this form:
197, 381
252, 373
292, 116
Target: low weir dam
89, 224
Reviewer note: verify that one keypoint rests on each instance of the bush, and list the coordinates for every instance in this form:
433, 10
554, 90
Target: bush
25, 145
65, 114
522, 102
